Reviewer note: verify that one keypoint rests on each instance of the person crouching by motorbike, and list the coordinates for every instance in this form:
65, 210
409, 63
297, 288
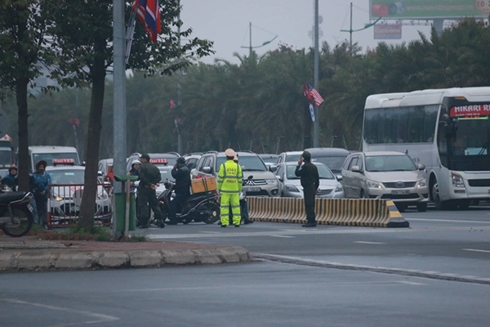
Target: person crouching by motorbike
149, 177
11, 179
182, 175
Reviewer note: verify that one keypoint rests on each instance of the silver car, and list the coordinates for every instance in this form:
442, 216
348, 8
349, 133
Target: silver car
385, 175
329, 187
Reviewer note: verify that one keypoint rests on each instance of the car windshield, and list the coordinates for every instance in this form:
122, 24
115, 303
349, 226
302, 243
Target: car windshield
269, 159
334, 163
293, 157
67, 176
48, 157
248, 163
323, 172
389, 163
166, 174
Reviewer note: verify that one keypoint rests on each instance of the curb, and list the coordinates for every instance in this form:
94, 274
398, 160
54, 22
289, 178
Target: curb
56, 259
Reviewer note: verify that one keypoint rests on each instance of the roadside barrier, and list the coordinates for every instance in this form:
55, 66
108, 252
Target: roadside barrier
343, 212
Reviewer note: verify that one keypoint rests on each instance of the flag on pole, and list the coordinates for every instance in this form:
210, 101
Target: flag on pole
148, 12
312, 95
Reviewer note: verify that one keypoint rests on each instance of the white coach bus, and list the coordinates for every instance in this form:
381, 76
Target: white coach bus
447, 130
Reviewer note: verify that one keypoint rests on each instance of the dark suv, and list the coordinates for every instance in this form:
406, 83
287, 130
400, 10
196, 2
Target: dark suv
262, 183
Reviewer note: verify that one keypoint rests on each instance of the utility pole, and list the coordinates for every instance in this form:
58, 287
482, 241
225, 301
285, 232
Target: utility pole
316, 124
360, 29
250, 46
179, 98
119, 116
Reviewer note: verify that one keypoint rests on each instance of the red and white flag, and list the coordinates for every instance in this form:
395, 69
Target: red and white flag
148, 12
312, 95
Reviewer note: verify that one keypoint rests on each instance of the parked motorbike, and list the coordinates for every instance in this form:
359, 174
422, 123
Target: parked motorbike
15, 214
199, 207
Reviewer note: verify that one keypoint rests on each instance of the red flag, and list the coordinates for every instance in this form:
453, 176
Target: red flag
148, 12
172, 104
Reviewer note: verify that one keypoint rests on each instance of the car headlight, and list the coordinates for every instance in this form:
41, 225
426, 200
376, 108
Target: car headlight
421, 183
373, 184
58, 198
271, 181
291, 188
102, 196
457, 180
339, 188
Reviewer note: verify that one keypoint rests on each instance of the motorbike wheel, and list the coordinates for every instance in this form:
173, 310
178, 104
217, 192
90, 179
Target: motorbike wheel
213, 213
19, 224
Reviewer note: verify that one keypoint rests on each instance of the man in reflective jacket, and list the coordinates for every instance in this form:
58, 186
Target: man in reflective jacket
229, 187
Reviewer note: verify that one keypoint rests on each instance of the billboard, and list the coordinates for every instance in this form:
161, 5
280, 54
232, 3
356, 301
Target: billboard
428, 9
387, 32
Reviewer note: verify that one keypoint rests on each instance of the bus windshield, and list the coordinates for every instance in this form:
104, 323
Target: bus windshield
466, 139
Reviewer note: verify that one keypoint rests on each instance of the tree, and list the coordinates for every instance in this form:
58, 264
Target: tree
81, 38
23, 56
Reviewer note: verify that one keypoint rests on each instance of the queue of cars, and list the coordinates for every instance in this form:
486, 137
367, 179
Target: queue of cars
383, 175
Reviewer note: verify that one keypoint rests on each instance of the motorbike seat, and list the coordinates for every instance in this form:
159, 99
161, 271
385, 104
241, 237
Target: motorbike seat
6, 198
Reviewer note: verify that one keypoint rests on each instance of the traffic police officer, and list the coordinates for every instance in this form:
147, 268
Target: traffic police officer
229, 187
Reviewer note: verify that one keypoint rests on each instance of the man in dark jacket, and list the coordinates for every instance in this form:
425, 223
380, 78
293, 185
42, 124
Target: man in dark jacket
149, 176
310, 180
182, 177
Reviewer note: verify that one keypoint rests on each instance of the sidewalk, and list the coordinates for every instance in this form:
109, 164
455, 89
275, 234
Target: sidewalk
30, 253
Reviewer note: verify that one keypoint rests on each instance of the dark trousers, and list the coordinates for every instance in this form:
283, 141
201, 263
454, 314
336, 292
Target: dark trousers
309, 198
147, 196
177, 201
41, 207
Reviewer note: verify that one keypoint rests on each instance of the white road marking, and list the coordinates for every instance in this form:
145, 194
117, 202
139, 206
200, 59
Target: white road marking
98, 316
283, 236
448, 220
365, 242
412, 283
275, 233
477, 250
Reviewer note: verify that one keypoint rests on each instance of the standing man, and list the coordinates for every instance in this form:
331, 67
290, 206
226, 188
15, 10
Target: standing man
42, 180
149, 176
310, 181
182, 177
229, 187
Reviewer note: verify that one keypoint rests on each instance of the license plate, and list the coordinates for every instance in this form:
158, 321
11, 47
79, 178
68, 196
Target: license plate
398, 192
252, 189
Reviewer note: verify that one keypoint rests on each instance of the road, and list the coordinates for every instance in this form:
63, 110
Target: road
435, 273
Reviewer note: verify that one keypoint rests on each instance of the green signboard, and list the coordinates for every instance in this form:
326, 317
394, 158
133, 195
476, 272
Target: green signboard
428, 9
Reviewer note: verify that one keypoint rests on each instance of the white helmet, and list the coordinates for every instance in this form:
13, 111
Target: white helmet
136, 162
230, 153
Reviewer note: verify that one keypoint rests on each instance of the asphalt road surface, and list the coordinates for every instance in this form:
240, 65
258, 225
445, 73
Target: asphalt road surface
435, 273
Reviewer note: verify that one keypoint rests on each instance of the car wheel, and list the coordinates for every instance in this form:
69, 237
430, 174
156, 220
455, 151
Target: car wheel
422, 207
401, 206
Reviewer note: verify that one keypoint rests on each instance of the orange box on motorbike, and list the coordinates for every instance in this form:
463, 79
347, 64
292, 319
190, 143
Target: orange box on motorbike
205, 184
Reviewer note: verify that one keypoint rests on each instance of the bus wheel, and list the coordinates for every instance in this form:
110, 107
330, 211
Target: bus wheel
440, 205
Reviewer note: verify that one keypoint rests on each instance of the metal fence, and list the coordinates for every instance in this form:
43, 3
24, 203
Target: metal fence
64, 203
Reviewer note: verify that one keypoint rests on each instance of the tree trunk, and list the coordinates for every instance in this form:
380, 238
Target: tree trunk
22, 117
87, 209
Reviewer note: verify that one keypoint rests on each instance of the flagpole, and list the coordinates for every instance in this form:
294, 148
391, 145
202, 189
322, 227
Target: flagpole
316, 124
130, 34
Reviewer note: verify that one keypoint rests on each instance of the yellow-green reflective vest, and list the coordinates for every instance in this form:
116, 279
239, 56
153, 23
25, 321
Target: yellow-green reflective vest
230, 177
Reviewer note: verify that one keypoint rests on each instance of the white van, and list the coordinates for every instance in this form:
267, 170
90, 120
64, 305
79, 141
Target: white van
50, 153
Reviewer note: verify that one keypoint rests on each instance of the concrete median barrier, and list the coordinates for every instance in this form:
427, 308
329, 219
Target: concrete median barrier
343, 212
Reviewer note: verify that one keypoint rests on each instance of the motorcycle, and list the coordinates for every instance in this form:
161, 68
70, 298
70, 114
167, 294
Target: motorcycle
15, 214
199, 207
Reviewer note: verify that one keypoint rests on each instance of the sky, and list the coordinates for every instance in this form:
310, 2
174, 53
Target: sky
226, 22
